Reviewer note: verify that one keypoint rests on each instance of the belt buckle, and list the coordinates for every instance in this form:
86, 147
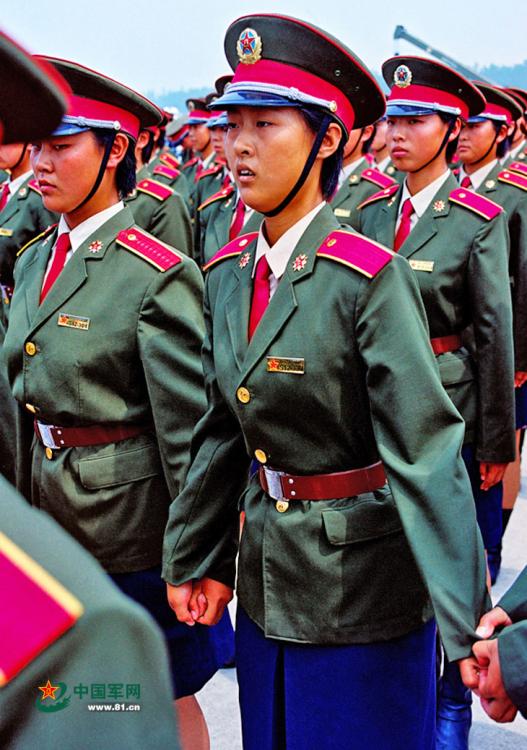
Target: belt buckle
274, 485
47, 436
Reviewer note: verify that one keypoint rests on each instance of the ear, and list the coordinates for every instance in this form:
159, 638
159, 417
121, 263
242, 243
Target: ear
367, 132
331, 140
119, 149
456, 130
503, 133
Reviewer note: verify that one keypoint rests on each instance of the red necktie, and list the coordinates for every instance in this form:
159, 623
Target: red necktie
237, 222
199, 170
261, 292
62, 246
405, 225
226, 182
466, 182
4, 195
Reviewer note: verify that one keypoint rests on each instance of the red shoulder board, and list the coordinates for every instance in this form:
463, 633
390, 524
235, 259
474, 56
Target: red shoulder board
223, 193
518, 166
170, 160
382, 194
211, 170
190, 162
513, 178
475, 202
36, 609
378, 178
172, 174
33, 184
231, 249
355, 251
148, 248
155, 189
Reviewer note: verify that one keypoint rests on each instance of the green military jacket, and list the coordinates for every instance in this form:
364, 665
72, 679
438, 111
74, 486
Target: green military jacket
208, 183
521, 156
362, 182
116, 342
509, 190
174, 178
460, 260
111, 641
352, 570
162, 212
512, 643
213, 223
393, 172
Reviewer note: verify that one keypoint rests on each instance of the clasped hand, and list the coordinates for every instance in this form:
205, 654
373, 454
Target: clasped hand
202, 601
482, 673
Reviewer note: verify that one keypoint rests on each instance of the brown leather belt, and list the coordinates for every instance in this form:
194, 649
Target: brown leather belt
444, 344
282, 486
56, 437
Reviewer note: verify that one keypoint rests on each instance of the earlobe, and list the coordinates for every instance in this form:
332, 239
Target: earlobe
331, 140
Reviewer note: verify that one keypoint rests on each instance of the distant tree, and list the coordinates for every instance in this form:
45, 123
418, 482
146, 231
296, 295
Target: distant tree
176, 98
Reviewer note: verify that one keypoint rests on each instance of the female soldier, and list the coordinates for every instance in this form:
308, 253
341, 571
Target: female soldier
315, 368
457, 243
103, 351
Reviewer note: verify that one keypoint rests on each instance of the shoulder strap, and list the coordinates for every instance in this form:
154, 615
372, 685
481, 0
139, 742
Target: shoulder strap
33, 184
356, 252
40, 236
161, 169
513, 178
155, 252
220, 195
378, 178
156, 189
381, 195
476, 203
231, 249
518, 166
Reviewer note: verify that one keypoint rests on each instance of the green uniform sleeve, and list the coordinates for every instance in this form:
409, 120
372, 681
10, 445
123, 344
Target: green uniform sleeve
512, 648
419, 435
514, 601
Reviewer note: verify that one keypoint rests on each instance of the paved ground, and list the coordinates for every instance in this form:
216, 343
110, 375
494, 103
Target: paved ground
219, 697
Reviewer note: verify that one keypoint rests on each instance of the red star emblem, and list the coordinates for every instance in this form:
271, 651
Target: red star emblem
95, 246
274, 364
48, 691
244, 260
299, 262
247, 42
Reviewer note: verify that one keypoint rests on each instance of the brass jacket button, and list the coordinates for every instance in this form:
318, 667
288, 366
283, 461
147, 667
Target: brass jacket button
243, 395
30, 348
281, 506
49, 454
31, 408
260, 456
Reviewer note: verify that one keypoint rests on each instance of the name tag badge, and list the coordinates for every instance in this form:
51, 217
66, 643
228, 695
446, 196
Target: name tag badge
73, 321
422, 265
6, 232
291, 365
342, 212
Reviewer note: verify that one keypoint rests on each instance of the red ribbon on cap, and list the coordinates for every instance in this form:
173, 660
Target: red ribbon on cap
414, 94
91, 109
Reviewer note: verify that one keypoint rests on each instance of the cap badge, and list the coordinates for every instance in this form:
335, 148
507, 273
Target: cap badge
439, 205
244, 260
299, 262
94, 247
249, 47
402, 76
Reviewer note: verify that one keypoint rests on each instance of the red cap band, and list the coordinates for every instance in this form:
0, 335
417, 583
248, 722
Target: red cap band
491, 110
281, 74
415, 94
202, 114
92, 109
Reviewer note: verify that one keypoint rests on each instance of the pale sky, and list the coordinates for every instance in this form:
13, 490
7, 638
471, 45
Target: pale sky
180, 44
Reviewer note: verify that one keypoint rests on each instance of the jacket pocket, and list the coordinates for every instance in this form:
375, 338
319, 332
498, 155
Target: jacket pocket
364, 520
121, 467
456, 368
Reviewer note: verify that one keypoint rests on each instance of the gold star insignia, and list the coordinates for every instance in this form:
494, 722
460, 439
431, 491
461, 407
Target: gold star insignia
299, 262
244, 260
95, 246
48, 691
439, 205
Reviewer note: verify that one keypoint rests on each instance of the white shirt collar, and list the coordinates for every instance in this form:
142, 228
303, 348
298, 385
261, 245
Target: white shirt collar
381, 166
279, 254
346, 171
17, 183
422, 199
477, 177
82, 231
513, 153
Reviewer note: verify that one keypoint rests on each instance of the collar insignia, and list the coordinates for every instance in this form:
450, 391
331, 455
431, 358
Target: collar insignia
299, 262
246, 257
439, 205
95, 246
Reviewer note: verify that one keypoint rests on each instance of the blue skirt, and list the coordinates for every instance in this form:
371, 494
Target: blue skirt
377, 696
195, 653
520, 395
488, 502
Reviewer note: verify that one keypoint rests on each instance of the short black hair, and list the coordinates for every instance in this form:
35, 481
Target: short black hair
503, 146
126, 171
331, 167
366, 145
451, 147
161, 138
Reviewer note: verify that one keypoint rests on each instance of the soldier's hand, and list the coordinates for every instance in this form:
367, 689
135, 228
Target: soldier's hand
494, 700
520, 378
183, 600
469, 670
490, 474
217, 596
496, 618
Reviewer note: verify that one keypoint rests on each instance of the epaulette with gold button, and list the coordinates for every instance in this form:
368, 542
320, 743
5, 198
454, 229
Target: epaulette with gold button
190, 162
220, 195
475, 202
171, 174
40, 236
210, 171
170, 160
381, 195
355, 251
378, 178
155, 189
231, 249
518, 166
33, 184
148, 248
513, 178
31, 595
